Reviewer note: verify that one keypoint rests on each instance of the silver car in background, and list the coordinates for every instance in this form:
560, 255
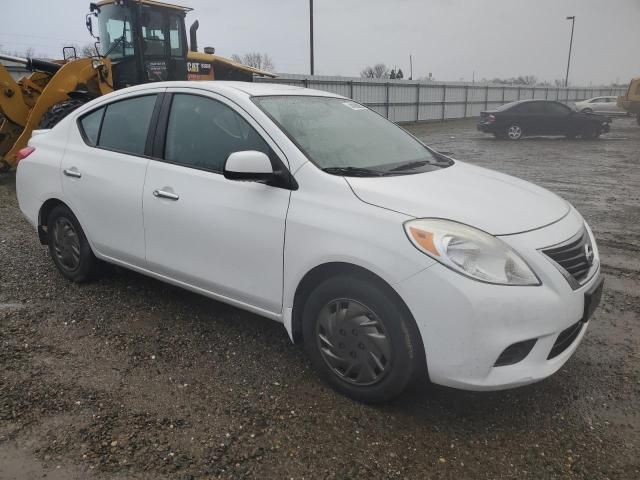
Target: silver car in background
600, 105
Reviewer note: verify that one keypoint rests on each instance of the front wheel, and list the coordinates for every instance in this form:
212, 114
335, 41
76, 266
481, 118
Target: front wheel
361, 340
591, 133
68, 245
514, 132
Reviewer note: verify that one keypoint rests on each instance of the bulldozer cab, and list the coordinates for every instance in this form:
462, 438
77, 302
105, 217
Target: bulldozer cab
145, 40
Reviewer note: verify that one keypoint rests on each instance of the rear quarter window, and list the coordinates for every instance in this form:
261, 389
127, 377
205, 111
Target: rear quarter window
90, 126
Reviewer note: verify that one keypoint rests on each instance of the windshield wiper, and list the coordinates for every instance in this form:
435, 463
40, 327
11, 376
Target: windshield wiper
411, 165
353, 171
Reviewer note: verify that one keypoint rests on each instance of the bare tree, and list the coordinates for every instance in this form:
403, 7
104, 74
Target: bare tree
87, 50
379, 70
257, 60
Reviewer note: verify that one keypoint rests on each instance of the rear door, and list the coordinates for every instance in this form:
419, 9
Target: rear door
223, 236
529, 116
103, 174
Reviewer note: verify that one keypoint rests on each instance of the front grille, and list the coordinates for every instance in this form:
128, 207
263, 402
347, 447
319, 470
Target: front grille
574, 257
565, 339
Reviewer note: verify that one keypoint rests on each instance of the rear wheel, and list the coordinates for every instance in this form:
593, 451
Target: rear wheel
361, 341
60, 110
514, 132
68, 245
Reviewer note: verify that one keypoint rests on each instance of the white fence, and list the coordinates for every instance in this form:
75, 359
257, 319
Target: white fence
414, 101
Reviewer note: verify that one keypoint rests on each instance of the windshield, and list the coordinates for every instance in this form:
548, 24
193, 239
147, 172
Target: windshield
345, 138
115, 31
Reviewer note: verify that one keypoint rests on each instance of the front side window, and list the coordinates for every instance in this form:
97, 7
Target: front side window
346, 138
531, 108
126, 123
116, 40
557, 109
203, 132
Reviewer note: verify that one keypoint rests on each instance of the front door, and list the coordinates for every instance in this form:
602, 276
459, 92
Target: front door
558, 118
223, 236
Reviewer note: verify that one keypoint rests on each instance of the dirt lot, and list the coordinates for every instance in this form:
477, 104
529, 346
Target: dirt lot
127, 377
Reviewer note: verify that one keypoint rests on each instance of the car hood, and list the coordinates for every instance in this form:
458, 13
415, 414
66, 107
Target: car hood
494, 202
594, 116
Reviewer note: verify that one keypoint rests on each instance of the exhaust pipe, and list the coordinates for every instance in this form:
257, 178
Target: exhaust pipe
192, 36
33, 64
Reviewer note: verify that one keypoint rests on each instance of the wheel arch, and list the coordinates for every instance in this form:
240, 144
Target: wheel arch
43, 216
322, 272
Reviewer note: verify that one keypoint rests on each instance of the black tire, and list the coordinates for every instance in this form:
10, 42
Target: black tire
591, 132
401, 359
68, 245
60, 110
514, 132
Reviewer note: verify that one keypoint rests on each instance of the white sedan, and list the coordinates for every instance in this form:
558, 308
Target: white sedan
607, 105
389, 261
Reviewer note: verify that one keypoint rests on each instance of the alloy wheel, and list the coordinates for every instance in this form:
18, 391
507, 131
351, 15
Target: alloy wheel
514, 132
353, 342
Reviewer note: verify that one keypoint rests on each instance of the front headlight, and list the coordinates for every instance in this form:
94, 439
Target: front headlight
470, 251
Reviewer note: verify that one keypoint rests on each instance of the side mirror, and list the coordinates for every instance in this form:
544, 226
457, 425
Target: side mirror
248, 166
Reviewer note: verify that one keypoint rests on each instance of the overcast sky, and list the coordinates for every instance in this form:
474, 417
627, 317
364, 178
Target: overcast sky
450, 38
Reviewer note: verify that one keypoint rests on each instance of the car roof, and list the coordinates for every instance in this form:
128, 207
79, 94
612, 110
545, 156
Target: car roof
250, 89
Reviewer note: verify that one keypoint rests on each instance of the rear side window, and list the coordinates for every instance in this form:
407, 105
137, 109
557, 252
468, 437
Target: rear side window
125, 125
203, 132
90, 125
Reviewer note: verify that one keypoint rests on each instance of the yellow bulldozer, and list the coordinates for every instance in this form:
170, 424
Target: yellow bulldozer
631, 101
137, 41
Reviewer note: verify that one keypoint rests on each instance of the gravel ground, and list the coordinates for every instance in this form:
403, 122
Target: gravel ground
127, 377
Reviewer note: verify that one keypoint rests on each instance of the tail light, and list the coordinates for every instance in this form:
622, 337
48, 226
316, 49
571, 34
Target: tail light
24, 153
490, 118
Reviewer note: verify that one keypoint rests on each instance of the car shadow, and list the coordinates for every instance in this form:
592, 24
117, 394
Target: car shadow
423, 402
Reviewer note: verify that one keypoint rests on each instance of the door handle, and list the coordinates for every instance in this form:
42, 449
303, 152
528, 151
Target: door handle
72, 172
164, 194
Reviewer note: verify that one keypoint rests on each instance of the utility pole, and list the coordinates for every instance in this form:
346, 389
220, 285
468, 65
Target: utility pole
573, 22
410, 67
311, 32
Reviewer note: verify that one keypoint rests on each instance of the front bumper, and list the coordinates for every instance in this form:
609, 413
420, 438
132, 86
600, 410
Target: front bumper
466, 325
